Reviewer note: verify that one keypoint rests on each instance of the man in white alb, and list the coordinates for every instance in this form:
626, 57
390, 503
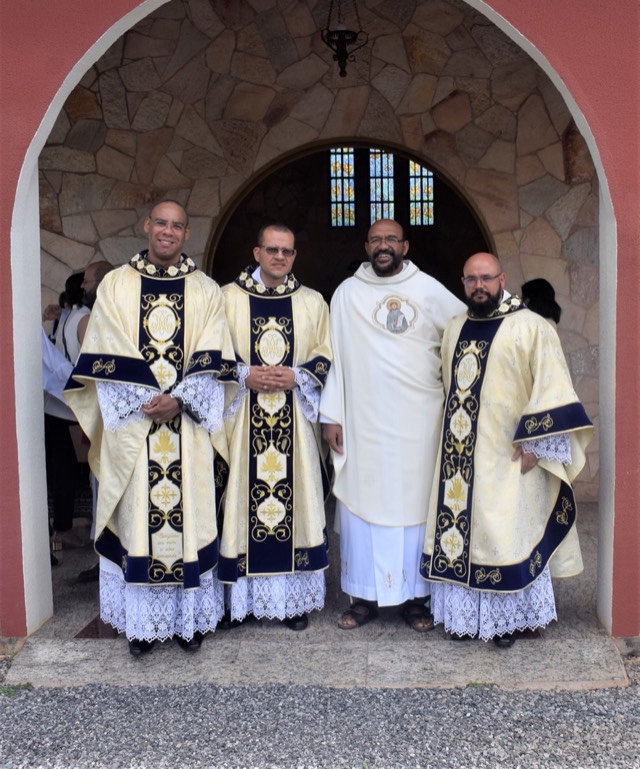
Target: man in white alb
382, 408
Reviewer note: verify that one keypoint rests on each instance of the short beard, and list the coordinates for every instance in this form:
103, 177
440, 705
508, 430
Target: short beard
485, 308
391, 267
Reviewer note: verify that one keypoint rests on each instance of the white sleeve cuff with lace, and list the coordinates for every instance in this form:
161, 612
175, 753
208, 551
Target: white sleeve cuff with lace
121, 403
556, 448
307, 393
205, 397
243, 373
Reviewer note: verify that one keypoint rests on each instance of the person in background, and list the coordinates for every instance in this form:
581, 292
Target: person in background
63, 470
55, 373
539, 297
56, 313
93, 276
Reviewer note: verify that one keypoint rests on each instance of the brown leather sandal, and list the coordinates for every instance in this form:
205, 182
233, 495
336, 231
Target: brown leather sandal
358, 614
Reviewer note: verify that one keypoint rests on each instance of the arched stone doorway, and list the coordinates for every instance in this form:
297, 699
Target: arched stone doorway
197, 106
297, 192
476, 183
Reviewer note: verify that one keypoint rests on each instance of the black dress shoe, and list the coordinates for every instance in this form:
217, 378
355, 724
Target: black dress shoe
505, 641
138, 648
191, 645
89, 575
226, 623
299, 622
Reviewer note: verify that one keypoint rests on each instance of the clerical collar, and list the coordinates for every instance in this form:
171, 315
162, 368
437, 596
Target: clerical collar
251, 281
185, 266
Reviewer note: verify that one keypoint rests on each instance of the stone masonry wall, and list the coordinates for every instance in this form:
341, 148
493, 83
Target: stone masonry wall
202, 95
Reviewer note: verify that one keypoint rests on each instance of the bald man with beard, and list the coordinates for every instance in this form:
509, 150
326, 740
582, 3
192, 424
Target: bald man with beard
502, 517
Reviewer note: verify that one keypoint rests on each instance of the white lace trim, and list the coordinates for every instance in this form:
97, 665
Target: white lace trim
159, 612
469, 612
121, 403
556, 448
243, 373
308, 393
277, 597
205, 397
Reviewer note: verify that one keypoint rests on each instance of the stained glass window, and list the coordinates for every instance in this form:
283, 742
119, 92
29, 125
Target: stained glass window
343, 199
382, 200
420, 194
385, 197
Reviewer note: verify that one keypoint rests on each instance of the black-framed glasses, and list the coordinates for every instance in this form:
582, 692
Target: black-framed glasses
471, 280
392, 240
274, 250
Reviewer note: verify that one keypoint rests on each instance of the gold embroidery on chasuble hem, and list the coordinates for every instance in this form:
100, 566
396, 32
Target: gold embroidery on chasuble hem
494, 576
562, 515
535, 564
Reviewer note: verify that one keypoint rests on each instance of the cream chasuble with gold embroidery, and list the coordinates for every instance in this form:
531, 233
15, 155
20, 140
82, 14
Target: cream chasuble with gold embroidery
156, 512
490, 527
274, 520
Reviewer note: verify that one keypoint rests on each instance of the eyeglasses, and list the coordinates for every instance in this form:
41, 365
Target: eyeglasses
274, 250
471, 280
392, 240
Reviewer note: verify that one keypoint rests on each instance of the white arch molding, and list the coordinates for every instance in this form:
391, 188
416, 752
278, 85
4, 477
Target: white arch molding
25, 263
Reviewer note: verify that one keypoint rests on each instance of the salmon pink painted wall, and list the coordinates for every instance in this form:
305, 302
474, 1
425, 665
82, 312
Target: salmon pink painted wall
39, 44
591, 47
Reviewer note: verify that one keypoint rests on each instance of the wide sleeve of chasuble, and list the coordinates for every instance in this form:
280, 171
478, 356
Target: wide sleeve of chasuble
110, 353
553, 407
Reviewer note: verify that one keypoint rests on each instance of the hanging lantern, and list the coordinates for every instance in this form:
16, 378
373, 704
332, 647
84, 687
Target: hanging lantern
342, 41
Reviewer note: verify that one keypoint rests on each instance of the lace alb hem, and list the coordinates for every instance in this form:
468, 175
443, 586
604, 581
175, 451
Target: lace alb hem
205, 397
121, 403
472, 612
277, 597
556, 448
159, 612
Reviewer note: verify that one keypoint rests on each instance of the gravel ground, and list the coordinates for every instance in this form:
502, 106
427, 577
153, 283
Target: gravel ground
280, 726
